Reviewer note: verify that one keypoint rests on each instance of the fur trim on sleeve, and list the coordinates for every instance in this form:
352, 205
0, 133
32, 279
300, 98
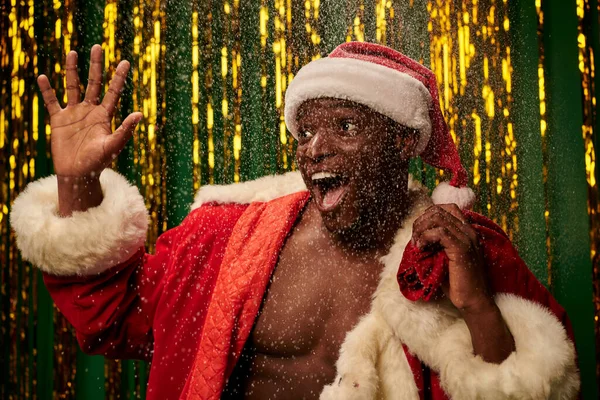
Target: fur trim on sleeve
542, 367
88, 242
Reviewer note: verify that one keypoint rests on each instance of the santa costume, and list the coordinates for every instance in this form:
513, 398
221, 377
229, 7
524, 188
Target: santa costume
190, 308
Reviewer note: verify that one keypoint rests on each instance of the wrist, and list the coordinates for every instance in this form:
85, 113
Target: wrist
490, 336
78, 179
78, 193
484, 305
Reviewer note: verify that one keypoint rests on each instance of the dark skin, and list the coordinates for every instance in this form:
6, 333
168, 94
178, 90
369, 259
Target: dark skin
329, 266
317, 296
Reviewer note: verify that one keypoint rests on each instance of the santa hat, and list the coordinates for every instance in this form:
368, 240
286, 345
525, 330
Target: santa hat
395, 86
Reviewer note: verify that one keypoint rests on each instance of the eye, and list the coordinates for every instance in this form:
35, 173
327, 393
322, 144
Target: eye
304, 134
348, 126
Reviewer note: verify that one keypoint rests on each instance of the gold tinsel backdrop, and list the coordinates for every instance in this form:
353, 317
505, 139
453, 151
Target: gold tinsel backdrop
517, 86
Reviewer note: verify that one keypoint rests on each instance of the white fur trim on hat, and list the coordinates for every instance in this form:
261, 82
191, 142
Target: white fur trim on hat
390, 92
444, 193
85, 243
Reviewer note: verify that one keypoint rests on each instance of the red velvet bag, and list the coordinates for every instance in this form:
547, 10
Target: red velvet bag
421, 273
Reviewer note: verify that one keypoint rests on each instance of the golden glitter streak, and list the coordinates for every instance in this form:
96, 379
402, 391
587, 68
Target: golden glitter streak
231, 91
382, 8
311, 15
236, 86
148, 71
470, 54
283, 72
544, 138
356, 31
586, 68
196, 100
108, 44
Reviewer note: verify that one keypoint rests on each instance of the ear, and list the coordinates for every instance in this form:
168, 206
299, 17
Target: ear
406, 140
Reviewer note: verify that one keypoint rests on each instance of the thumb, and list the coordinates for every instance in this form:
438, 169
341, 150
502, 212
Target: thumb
117, 141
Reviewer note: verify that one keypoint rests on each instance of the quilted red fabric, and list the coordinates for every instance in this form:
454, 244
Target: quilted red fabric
190, 307
152, 307
247, 266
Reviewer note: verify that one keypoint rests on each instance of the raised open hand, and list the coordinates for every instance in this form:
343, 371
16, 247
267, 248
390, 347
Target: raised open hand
82, 142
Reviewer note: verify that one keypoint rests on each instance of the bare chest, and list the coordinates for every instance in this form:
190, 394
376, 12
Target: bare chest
315, 297
317, 294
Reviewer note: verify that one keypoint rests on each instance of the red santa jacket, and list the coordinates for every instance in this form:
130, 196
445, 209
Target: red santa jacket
190, 307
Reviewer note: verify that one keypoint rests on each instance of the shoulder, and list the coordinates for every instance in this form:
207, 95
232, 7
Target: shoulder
218, 207
262, 189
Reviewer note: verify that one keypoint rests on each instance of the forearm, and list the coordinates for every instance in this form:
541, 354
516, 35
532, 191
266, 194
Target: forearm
78, 194
96, 269
490, 336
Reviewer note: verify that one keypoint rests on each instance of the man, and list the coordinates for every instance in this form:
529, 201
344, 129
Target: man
286, 287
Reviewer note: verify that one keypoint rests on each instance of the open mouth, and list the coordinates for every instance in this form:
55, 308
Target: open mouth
329, 189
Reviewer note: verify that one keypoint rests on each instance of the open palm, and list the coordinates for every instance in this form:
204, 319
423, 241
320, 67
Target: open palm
82, 143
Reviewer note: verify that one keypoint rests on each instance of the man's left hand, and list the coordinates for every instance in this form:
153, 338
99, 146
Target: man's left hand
446, 226
467, 285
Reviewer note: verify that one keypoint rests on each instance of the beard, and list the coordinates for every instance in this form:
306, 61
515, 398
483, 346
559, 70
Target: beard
376, 207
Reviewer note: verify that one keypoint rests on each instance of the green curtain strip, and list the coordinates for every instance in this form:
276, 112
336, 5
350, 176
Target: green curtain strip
216, 14
567, 187
178, 128
251, 154
526, 121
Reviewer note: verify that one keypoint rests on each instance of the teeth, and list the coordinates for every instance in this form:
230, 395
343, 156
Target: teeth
323, 175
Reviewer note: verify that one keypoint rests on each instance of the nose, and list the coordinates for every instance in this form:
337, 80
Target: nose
319, 147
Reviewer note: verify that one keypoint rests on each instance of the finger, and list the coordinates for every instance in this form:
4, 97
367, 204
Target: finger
437, 215
117, 141
112, 95
440, 219
459, 240
434, 209
92, 93
442, 235
455, 211
434, 215
48, 95
73, 91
